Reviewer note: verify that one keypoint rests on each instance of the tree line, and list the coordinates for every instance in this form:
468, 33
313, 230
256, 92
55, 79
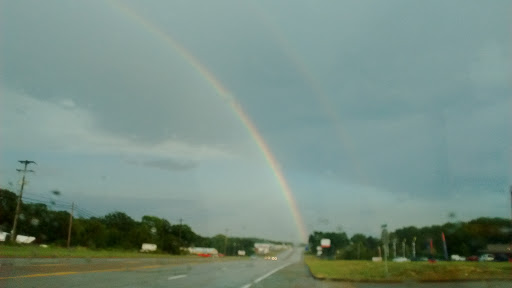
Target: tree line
462, 238
116, 230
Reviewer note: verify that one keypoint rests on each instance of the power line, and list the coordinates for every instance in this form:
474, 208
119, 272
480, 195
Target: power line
86, 211
82, 213
61, 205
46, 197
47, 201
50, 206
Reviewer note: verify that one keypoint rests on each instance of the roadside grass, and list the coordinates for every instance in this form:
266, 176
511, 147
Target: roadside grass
32, 251
367, 271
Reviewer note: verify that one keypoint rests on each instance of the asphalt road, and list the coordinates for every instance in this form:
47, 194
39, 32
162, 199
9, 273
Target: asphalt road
287, 271
190, 272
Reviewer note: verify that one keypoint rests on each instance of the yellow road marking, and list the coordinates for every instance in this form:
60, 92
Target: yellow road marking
80, 272
41, 275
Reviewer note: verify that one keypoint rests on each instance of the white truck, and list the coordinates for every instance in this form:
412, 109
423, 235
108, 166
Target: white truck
486, 257
148, 247
456, 257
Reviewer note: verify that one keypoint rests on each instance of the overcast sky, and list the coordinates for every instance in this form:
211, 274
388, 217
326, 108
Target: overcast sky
392, 112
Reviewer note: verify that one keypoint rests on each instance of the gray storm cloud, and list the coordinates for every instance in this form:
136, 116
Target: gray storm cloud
409, 98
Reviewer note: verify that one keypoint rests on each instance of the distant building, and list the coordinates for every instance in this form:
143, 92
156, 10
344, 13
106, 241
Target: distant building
3, 236
203, 250
498, 249
24, 239
262, 248
265, 248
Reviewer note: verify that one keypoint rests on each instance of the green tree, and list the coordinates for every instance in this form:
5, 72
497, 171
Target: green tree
7, 208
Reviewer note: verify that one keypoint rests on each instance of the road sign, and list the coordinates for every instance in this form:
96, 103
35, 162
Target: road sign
325, 243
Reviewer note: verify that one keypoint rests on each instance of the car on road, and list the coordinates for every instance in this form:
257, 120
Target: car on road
456, 257
502, 258
486, 257
401, 260
432, 260
472, 258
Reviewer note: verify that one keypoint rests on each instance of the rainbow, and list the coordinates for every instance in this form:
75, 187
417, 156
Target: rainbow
236, 107
318, 91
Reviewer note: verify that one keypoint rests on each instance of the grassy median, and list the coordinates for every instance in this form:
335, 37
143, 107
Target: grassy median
363, 271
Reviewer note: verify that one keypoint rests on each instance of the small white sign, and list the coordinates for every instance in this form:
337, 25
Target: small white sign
325, 243
147, 247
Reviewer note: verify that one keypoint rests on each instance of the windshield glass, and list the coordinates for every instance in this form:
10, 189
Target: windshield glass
225, 142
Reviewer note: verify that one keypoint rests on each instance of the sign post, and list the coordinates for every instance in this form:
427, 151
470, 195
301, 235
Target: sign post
326, 244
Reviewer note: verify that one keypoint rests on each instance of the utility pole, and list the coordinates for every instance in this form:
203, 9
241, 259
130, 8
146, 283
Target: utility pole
70, 222
403, 247
394, 247
226, 242
414, 247
181, 223
18, 205
359, 250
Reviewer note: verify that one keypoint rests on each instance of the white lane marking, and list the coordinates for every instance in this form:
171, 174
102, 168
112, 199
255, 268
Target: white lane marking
271, 272
266, 275
176, 277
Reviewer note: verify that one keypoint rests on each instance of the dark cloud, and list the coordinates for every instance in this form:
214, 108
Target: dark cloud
171, 165
167, 164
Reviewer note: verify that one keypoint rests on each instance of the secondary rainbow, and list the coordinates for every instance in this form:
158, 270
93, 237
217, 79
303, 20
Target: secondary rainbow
318, 91
236, 107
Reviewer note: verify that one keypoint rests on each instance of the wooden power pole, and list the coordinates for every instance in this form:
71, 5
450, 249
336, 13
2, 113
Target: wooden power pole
18, 205
70, 222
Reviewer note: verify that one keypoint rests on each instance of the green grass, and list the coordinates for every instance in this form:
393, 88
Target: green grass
74, 252
410, 271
